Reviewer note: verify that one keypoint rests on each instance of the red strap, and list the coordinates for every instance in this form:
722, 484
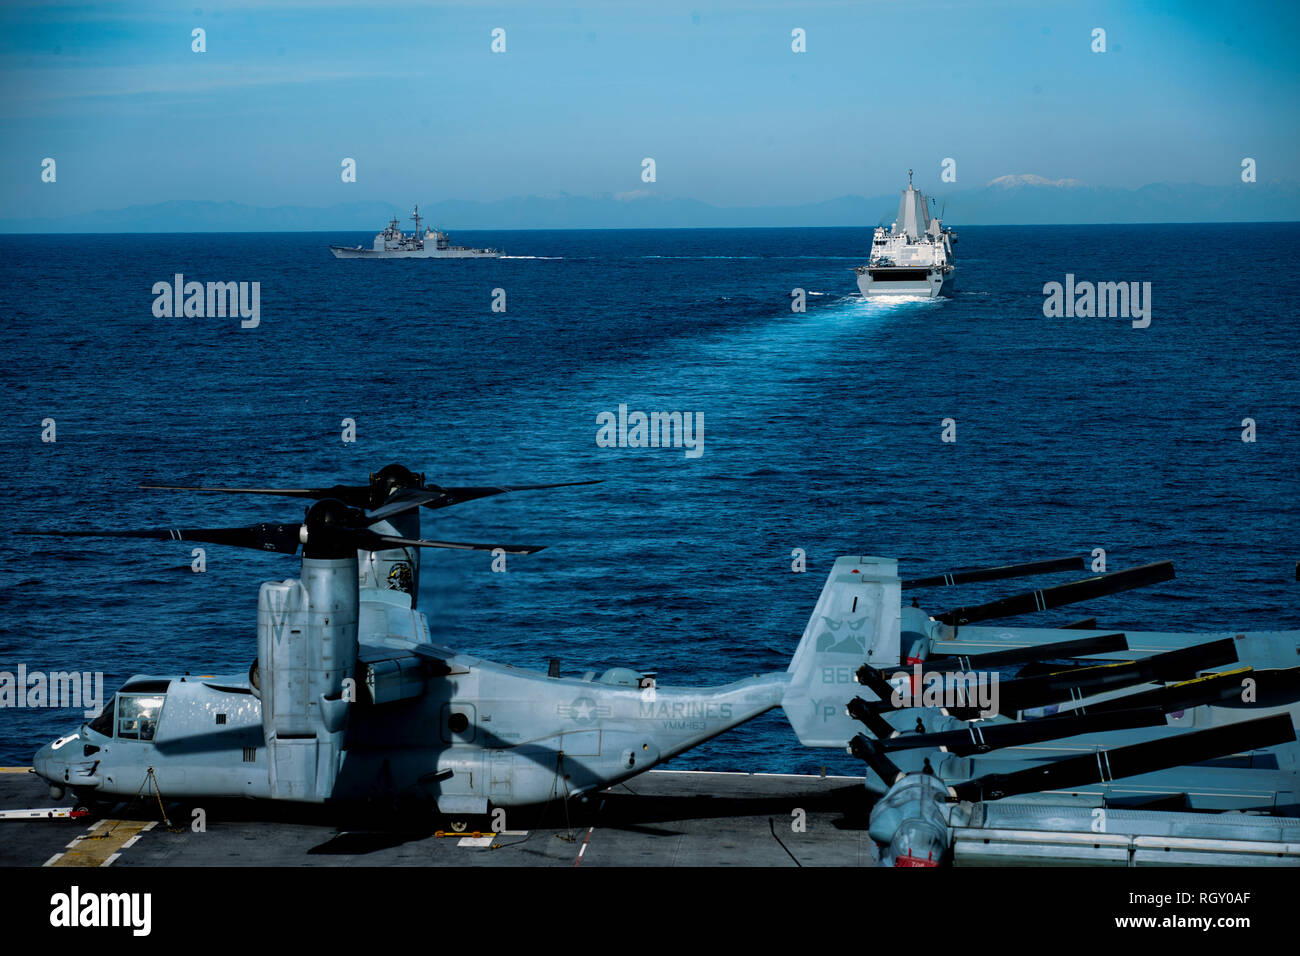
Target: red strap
908, 860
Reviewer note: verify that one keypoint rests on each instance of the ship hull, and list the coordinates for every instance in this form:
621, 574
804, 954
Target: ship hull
884, 285
354, 252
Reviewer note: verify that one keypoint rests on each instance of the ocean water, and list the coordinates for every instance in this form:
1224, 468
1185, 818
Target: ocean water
822, 432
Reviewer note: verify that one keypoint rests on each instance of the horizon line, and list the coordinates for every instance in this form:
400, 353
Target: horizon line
322, 232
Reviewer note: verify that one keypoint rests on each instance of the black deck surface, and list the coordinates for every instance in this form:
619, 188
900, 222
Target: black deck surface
661, 818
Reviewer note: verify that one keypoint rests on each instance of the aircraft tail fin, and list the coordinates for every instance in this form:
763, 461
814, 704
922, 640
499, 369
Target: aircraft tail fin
856, 621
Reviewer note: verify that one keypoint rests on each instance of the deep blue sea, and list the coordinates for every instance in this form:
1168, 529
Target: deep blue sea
822, 432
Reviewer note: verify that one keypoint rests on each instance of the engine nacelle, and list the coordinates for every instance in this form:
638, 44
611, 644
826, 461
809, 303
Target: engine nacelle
307, 651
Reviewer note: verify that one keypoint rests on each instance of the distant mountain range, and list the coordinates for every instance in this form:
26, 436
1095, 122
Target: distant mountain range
1008, 200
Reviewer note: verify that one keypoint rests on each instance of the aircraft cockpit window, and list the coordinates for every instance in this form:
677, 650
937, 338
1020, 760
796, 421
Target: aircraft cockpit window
103, 724
137, 716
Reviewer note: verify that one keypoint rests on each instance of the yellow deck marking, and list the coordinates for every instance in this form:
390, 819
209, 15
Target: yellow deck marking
481, 839
102, 843
14, 769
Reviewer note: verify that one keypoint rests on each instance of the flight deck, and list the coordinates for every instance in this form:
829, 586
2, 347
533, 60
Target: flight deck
661, 818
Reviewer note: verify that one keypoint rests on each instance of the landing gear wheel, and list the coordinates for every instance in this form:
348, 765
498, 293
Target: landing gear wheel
88, 809
458, 826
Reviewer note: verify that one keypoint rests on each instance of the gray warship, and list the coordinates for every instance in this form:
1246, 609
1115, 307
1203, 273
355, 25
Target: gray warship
392, 243
914, 258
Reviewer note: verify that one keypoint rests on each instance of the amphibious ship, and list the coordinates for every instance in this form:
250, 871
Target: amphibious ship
914, 258
392, 243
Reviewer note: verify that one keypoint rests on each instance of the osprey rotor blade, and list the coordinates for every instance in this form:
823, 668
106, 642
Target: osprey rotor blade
371, 541
331, 530
281, 538
981, 737
1050, 566
385, 485
407, 499
459, 495
874, 679
1107, 765
355, 495
1209, 689
868, 712
1271, 687
1081, 682
1101, 644
1062, 594
866, 749
1077, 683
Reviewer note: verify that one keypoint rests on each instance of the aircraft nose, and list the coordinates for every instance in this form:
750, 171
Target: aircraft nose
50, 763
41, 764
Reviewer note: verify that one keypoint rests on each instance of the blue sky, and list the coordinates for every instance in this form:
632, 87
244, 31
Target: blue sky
712, 92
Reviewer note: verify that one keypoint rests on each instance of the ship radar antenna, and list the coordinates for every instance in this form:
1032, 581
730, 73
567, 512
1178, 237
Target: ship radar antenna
909, 179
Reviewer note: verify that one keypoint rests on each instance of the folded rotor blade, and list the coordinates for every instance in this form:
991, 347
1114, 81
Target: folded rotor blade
1101, 644
1077, 683
864, 748
1062, 594
868, 712
979, 737
1107, 765
998, 573
1273, 687
874, 679
1209, 689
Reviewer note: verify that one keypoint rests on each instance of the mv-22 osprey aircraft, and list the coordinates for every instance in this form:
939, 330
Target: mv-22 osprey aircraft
349, 699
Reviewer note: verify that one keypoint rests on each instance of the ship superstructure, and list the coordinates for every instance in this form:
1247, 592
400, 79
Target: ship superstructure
914, 257
392, 243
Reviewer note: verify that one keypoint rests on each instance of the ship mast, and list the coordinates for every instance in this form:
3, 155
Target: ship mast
416, 217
